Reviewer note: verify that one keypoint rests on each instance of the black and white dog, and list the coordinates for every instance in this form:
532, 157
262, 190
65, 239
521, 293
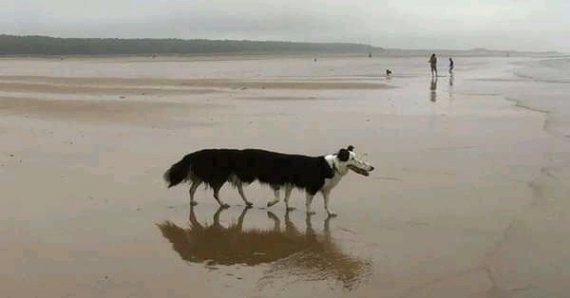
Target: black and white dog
215, 167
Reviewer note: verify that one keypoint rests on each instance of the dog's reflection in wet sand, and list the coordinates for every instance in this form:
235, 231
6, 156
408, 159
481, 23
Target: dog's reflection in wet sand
307, 255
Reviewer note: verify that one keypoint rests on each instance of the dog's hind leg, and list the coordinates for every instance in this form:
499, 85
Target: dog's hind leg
276, 199
217, 196
239, 186
308, 201
288, 189
192, 191
326, 197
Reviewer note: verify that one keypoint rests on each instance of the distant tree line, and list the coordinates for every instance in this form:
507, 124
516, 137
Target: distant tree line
43, 45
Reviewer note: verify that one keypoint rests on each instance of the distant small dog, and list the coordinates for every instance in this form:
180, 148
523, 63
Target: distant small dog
215, 167
388, 72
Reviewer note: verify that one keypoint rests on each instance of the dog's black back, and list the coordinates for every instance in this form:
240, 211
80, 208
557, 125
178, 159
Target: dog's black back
216, 166
278, 169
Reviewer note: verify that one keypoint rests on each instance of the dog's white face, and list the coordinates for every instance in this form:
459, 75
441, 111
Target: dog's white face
346, 159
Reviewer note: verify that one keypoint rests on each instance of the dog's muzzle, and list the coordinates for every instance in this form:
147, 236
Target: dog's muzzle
360, 171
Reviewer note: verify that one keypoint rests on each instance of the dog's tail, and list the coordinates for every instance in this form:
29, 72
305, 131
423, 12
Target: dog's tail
178, 172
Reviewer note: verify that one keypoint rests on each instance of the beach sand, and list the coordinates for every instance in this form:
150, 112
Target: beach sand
469, 197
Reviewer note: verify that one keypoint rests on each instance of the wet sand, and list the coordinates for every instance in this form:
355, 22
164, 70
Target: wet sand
468, 200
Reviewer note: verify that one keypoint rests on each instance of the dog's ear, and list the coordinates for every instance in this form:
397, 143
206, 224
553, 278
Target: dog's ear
343, 154
350, 148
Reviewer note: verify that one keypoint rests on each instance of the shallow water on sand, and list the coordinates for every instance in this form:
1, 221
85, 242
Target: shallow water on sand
468, 197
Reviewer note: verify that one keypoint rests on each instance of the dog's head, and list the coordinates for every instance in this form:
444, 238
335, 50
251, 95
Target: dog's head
346, 159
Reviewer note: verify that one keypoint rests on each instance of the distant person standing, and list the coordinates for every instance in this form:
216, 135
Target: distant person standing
451, 65
433, 64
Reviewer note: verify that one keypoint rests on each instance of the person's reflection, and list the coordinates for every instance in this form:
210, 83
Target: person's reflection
433, 89
450, 90
308, 255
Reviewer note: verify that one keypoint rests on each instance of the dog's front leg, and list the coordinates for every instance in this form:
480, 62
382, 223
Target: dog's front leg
326, 197
308, 201
276, 199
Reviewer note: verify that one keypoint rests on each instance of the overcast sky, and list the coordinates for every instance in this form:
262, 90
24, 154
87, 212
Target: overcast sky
451, 24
